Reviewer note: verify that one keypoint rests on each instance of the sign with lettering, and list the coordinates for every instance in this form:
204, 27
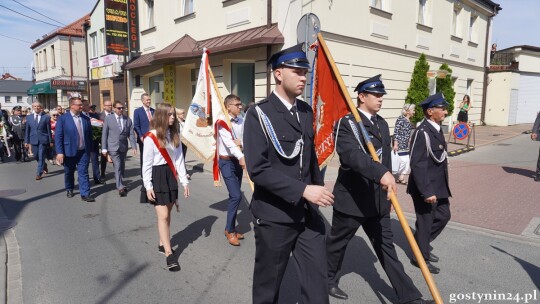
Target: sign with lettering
133, 26
169, 74
65, 84
116, 27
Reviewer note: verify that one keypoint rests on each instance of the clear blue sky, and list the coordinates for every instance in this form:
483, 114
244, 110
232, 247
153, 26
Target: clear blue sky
518, 23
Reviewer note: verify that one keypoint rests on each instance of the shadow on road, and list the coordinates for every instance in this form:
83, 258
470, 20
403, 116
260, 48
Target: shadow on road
532, 270
244, 218
520, 171
192, 232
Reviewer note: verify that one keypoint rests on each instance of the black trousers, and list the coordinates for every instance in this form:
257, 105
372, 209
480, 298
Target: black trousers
274, 243
379, 232
538, 165
430, 221
141, 147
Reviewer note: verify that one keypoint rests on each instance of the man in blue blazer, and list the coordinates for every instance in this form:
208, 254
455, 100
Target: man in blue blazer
141, 120
73, 141
38, 134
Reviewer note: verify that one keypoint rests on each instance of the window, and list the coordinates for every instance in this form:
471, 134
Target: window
53, 59
8, 99
19, 99
472, 28
377, 4
456, 28
37, 62
422, 12
187, 7
102, 42
93, 45
469, 88
150, 13
156, 91
45, 59
243, 81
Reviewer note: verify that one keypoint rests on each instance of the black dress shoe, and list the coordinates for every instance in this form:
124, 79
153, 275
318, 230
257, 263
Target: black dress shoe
338, 293
123, 192
69, 193
433, 258
420, 301
88, 199
537, 179
100, 181
430, 266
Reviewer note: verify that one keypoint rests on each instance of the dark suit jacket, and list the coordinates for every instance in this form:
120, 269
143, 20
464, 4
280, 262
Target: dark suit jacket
357, 191
279, 184
114, 139
66, 137
141, 122
427, 177
536, 126
39, 134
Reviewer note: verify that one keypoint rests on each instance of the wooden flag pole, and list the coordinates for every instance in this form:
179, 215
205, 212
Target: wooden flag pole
393, 198
227, 118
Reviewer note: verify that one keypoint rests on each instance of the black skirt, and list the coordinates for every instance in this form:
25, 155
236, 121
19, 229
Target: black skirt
165, 186
463, 116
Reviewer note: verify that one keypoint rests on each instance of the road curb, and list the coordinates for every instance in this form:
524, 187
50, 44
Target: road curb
11, 274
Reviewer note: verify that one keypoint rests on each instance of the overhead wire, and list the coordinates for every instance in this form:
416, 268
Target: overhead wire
55, 25
16, 38
39, 13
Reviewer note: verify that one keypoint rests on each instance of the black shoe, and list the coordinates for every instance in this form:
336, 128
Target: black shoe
70, 193
100, 181
537, 179
433, 258
122, 192
338, 293
430, 266
420, 301
172, 265
161, 249
87, 199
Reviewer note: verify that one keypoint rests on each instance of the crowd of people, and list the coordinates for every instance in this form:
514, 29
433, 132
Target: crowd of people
274, 142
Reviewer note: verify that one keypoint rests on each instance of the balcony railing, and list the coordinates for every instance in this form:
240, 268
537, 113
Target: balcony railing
502, 59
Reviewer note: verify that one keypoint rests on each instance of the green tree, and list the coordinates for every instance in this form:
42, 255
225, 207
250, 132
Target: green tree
445, 86
419, 87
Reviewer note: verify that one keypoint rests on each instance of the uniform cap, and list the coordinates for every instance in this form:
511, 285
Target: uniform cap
293, 57
371, 85
434, 101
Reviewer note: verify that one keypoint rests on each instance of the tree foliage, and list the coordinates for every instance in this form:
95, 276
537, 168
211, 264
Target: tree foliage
419, 87
445, 86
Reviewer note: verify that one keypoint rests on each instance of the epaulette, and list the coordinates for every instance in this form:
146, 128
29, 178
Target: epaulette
261, 101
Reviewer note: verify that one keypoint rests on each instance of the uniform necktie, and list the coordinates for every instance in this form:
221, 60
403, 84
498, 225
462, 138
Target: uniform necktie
36, 118
294, 111
374, 121
119, 123
235, 120
80, 131
149, 114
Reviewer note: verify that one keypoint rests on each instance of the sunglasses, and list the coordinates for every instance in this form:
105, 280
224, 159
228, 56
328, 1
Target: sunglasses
120, 108
54, 115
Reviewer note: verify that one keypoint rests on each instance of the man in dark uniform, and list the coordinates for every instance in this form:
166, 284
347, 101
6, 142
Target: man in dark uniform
362, 193
18, 129
428, 181
535, 135
281, 161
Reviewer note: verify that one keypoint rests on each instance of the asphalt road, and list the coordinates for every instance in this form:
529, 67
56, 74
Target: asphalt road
106, 252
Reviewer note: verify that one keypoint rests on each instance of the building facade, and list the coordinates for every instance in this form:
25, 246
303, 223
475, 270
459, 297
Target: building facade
60, 65
365, 37
513, 92
105, 74
13, 92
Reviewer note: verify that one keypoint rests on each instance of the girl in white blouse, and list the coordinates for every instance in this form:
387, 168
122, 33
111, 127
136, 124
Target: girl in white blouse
159, 180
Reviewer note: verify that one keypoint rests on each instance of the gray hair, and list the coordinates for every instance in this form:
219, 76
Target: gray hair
407, 107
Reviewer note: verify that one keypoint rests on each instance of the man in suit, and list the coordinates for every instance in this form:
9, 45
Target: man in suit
87, 111
107, 110
38, 134
288, 185
535, 135
117, 129
73, 142
141, 121
428, 181
362, 193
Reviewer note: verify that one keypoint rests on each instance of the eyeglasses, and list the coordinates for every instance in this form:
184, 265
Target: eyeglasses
77, 104
237, 105
120, 108
54, 115
107, 105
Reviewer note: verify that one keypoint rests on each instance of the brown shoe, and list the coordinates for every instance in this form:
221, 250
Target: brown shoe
231, 237
38, 177
238, 235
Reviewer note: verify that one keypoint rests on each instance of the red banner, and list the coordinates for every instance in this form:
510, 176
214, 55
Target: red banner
329, 105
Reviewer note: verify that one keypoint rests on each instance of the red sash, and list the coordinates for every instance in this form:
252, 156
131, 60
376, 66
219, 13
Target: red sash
215, 167
163, 152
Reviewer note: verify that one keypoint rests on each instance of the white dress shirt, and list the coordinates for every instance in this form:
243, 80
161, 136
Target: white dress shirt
226, 144
152, 157
288, 105
434, 124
